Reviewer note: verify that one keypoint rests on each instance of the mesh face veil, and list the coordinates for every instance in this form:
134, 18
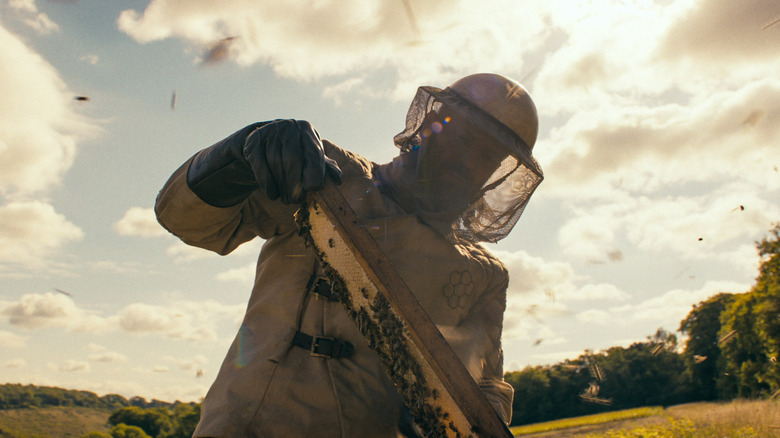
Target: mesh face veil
493, 212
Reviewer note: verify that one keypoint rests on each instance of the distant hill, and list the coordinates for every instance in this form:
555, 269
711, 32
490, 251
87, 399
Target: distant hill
15, 396
30, 411
52, 422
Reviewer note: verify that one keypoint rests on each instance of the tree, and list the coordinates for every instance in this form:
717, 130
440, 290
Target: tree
96, 435
702, 352
646, 373
185, 418
155, 422
530, 402
767, 308
743, 356
124, 431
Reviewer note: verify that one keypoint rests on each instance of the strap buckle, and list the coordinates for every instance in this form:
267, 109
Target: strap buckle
320, 287
323, 346
319, 347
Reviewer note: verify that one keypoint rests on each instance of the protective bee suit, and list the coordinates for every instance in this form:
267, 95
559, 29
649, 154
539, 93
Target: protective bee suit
298, 365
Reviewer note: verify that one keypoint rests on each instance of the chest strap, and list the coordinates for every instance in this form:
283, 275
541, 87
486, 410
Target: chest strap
323, 346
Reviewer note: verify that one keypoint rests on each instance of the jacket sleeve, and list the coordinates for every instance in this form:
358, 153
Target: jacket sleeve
217, 229
477, 341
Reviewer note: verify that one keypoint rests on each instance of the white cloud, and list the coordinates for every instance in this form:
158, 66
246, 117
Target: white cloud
589, 237
245, 274
108, 357
32, 230
37, 142
350, 38
531, 276
94, 348
724, 33
596, 292
540, 291
11, 340
669, 309
711, 225
29, 15
23, 5
139, 221
594, 316
42, 24
192, 321
33, 311
183, 253
187, 364
91, 59
72, 366
15, 363
185, 320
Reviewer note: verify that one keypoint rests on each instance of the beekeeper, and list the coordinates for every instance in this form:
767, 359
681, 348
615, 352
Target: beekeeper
298, 365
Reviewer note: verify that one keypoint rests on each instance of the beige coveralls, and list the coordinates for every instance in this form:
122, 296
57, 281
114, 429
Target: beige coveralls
268, 388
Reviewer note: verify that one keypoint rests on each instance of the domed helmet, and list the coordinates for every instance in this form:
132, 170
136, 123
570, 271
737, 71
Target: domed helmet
502, 108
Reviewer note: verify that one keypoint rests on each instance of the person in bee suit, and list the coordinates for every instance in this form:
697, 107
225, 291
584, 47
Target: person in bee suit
298, 365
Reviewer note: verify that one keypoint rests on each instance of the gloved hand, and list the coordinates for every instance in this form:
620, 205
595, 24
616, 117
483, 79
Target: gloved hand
285, 158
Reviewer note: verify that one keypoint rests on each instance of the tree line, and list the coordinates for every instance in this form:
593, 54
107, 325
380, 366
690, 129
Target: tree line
731, 350
17, 396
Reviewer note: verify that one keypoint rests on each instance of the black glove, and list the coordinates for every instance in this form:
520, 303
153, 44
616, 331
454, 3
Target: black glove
284, 157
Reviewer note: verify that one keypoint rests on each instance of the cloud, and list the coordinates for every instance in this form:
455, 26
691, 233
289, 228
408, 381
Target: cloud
11, 340
91, 59
94, 348
23, 5
183, 253
37, 142
728, 135
697, 226
183, 320
30, 16
37, 146
191, 321
107, 357
15, 363
533, 276
669, 309
187, 364
725, 33
34, 311
664, 106
146, 318
32, 230
594, 316
245, 274
349, 38
72, 366
139, 221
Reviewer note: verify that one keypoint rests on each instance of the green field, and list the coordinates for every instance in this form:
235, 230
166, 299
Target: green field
737, 419
52, 422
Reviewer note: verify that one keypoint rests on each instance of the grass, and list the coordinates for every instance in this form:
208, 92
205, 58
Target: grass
736, 419
52, 422
586, 420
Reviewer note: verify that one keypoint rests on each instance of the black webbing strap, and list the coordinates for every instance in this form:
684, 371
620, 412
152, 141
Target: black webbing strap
320, 286
323, 346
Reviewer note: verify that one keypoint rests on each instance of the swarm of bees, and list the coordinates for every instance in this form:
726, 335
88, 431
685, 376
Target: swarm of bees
591, 394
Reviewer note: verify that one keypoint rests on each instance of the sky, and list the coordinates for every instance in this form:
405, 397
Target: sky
658, 136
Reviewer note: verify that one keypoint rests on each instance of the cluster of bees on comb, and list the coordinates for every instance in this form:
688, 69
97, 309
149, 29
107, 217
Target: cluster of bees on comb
386, 334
